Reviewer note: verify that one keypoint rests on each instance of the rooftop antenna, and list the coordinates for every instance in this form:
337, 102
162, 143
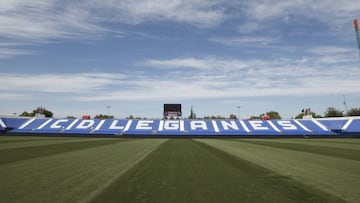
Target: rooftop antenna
357, 33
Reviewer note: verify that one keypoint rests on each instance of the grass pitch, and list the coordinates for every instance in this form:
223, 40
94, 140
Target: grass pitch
57, 169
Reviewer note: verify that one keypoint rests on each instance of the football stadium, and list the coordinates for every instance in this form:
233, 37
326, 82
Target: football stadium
65, 160
83, 58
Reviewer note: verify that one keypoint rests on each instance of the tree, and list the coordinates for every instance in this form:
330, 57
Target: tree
103, 117
213, 117
256, 117
48, 114
26, 114
333, 112
233, 116
192, 114
274, 115
38, 111
353, 112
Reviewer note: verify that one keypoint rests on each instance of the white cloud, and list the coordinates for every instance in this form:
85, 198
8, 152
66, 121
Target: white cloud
246, 78
333, 55
253, 41
329, 50
43, 20
57, 83
25, 21
12, 96
11, 52
330, 12
47, 20
211, 77
34, 22
250, 27
239, 78
201, 13
179, 63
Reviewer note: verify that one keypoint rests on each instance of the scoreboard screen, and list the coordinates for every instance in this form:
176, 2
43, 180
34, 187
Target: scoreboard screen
172, 108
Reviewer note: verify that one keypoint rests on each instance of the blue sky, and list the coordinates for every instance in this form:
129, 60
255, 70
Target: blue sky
77, 57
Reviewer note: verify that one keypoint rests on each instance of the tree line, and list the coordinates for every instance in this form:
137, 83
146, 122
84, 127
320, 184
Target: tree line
330, 112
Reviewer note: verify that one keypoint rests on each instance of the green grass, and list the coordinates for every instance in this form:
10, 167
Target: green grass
71, 175
30, 152
188, 171
43, 169
328, 150
334, 174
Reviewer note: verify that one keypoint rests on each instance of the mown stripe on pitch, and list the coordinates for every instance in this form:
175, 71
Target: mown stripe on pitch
18, 154
315, 143
333, 175
182, 170
328, 151
351, 141
73, 176
36, 142
19, 140
16, 138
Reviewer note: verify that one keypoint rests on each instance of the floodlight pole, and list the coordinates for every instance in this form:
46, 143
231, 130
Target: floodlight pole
345, 105
108, 107
238, 107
